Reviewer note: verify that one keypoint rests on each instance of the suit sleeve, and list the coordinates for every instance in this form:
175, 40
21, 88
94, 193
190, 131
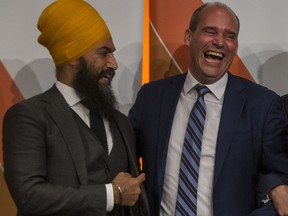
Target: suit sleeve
274, 156
25, 151
285, 104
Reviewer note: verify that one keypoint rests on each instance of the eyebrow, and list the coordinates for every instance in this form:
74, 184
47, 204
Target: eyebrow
105, 48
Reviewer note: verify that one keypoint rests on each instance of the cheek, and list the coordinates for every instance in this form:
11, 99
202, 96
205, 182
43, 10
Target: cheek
195, 50
232, 48
198, 46
97, 69
97, 66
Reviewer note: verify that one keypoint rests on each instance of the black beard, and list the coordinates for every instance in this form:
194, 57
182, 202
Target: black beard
98, 97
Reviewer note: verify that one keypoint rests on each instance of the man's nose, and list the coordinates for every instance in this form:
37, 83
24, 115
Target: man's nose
219, 40
111, 61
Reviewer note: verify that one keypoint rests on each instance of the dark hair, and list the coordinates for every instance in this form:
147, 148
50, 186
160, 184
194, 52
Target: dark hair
196, 15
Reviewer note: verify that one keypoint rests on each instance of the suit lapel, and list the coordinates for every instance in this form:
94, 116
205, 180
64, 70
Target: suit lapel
169, 101
234, 100
130, 145
62, 115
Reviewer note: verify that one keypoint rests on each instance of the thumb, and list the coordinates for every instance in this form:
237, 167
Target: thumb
141, 178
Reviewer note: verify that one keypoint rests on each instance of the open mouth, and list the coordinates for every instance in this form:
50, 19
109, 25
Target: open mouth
106, 80
107, 76
214, 55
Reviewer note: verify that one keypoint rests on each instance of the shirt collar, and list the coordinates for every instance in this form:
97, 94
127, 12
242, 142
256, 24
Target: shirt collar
217, 88
68, 93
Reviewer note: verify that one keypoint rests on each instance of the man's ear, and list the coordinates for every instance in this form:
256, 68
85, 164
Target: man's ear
187, 37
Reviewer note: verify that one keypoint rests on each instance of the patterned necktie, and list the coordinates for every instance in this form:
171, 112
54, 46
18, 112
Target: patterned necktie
191, 152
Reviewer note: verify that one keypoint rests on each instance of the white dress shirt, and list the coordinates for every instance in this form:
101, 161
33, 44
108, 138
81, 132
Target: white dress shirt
213, 102
74, 102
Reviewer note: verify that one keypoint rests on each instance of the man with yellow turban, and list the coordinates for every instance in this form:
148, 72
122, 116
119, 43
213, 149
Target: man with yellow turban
69, 151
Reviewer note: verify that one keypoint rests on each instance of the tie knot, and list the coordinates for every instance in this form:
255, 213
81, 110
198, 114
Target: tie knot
85, 102
201, 90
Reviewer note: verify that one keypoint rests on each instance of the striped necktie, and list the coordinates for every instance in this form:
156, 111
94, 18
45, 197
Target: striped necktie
190, 160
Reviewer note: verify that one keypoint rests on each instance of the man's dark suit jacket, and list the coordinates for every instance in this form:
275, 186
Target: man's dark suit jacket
284, 99
285, 104
249, 158
44, 159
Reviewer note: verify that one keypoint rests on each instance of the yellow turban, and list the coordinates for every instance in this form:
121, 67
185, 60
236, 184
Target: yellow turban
71, 28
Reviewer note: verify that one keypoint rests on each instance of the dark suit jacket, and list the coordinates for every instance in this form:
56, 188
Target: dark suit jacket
249, 143
44, 159
285, 104
284, 99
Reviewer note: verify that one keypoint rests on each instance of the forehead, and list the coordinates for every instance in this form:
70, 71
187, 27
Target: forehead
107, 44
218, 16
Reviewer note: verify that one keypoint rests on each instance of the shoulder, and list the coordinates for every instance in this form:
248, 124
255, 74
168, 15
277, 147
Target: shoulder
30, 105
158, 87
26, 103
252, 88
166, 81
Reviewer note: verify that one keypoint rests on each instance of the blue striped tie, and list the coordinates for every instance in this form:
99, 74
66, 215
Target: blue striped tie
189, 167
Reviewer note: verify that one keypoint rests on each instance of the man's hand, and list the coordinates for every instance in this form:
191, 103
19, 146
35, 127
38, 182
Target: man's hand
129, 188
279, 196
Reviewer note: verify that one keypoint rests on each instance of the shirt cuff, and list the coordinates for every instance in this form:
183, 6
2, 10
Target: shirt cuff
110, 197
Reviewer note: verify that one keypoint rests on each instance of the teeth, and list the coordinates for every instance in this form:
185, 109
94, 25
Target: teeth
220, 55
